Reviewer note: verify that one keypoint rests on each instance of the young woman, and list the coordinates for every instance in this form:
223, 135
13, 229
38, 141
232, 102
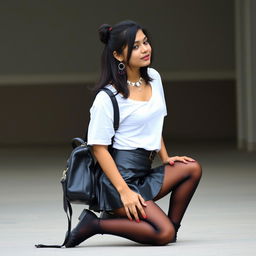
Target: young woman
128, 187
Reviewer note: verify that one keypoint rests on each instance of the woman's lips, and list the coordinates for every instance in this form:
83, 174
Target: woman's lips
147, 57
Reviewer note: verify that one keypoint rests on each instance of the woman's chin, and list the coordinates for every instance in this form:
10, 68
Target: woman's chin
146, 64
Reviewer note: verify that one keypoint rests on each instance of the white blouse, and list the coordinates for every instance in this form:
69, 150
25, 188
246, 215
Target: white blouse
141, 122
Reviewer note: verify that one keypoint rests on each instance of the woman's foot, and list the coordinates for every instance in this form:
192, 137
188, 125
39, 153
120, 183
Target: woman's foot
87, 227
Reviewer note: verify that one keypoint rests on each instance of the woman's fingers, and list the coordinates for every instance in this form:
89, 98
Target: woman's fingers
183, 159
171, 162
136, 208
142, 200
133, 204
140, 208
189, 159
128, 213
135, 213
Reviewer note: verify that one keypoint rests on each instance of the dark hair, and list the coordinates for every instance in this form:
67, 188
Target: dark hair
115, 39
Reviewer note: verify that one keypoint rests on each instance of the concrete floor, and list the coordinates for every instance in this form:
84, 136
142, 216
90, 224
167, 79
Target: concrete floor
219, 221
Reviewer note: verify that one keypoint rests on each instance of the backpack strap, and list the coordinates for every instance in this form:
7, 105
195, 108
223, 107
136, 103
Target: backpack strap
66, 204
68, 210
115, 106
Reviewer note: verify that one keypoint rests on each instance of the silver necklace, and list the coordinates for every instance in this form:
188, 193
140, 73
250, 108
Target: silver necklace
137, 84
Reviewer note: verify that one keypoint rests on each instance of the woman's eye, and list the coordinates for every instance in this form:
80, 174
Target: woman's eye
135, 47
146, 42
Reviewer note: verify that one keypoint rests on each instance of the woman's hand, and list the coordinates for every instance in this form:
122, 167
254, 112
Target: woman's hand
133, 204
183, 159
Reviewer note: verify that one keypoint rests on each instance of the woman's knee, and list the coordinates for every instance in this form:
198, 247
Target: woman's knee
196, 169
165, 235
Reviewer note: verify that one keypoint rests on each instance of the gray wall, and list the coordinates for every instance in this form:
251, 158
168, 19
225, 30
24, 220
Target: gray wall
60, 36
50, 53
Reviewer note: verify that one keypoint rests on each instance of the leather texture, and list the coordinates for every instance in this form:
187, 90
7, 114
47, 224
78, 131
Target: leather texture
80, 183
136, 170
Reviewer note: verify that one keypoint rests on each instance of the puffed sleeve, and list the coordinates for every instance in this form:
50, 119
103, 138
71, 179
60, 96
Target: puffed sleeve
101, 130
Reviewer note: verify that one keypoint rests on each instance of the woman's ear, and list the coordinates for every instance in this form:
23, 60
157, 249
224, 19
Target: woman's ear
117, 56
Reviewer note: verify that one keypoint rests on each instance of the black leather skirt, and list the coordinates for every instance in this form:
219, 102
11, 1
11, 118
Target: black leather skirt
135, 168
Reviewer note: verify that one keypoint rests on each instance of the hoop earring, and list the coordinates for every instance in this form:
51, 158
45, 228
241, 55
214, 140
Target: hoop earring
121, 68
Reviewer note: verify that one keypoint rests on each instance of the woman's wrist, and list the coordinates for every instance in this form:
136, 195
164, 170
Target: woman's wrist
165, 159
122, 189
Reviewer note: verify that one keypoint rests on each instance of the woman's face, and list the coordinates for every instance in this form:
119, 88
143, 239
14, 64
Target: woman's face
141, 52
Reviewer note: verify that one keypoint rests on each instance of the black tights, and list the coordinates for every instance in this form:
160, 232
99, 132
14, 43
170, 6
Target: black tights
158, 229
182, 179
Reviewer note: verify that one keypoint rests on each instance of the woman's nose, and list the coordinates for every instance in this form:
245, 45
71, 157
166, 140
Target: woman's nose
144, 48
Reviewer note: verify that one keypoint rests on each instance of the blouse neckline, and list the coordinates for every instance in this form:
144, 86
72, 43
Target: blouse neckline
132, 100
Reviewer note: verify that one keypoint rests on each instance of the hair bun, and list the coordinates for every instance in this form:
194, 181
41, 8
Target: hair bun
104, 31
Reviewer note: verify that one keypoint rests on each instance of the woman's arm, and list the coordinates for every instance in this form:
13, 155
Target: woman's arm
163, 152
130, 199
170, 160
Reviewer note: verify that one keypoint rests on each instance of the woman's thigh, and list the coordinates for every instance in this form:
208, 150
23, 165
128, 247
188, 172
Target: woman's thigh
177, 173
